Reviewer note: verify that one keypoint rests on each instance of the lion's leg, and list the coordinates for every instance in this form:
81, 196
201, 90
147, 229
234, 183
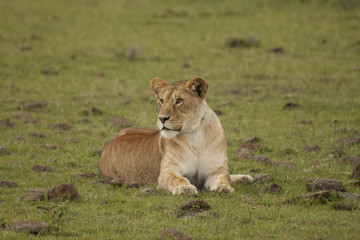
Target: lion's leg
219, 181
175, 183
238, 178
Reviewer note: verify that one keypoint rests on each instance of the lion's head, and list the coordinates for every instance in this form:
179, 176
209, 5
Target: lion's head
180, 105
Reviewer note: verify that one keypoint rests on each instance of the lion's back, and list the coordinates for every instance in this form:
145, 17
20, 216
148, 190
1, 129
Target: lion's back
133, 156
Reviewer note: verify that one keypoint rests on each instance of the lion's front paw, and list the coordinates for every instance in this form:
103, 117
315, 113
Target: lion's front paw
222, 188
185, 189
238, 179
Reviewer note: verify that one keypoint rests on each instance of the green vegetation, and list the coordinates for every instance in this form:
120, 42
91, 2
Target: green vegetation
78, 55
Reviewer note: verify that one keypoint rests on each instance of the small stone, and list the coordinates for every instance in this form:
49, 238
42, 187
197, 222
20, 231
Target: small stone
243, 153
277, 50
326, 184
350, 196
347, 141
4, 151
218, 112
251, 146
38, 135
6, 123
305, 121
352, 160
50, 146
345, 206
251, 140
33, 105
171, 233
312, 148
42, 168
195, 206
273, 188
31, 227
8, 184
84, 175
356, 173
262, 177
97, 152
314, 195
63, 192
26, 48
291, 105
35, 194
61, 126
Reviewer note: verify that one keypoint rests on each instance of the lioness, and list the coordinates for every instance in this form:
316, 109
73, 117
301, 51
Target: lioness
187, 151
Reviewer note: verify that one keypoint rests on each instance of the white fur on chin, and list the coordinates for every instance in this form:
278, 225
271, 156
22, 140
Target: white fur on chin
169, 134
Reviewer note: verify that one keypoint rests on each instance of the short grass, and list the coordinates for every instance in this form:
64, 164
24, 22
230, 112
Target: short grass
80, 58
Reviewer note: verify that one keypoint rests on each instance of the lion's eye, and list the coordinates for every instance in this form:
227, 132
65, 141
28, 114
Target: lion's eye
162, 101
179, 100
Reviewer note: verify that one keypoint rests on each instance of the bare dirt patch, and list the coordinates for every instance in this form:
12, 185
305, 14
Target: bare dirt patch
7, 184
312, 148
61, 126
63, 192
34, 194
42, 168
31, 227
326, 184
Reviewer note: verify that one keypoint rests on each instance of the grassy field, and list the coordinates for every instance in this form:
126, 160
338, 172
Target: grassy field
77, 55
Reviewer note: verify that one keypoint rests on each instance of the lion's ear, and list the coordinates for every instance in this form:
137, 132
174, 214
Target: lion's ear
157, 84
198, 86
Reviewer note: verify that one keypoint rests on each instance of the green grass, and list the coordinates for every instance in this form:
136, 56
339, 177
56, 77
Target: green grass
86, 43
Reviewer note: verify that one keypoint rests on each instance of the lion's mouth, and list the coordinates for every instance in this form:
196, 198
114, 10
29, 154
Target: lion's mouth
168, 129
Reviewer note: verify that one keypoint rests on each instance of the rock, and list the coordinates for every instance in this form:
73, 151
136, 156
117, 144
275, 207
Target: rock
35, 194
6, 123
291, 105
273, 188
61, 126
38, 135
261, 158
305, 121
94, 111
63, 192
50, 146
117, 121
326, 184
352, 160
185, 65
350, 196
171, 233
26, 48
262, 177
218, 112
243, 153
251, 140
355, 183
84, 175
251, 146
33, 105
8, 184
4, 151
356, 173
31, 227
42, 168
277, 50
345, 206
195, 206
312, 148
314, 195
347, 141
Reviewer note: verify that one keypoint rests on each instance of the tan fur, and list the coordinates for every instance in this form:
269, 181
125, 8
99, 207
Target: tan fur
188, 150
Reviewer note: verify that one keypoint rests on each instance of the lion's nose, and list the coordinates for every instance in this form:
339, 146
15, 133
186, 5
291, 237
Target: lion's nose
163, 119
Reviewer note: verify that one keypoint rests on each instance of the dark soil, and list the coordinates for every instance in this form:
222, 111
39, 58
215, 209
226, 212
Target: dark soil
291, 105
347, 141
35, 194
6, 123
195, 205
8, 184
314, 195
33, 105
312, 148
326, 184
63, 192
61, 126
42, 168
31, 227
274, 188
38, 135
